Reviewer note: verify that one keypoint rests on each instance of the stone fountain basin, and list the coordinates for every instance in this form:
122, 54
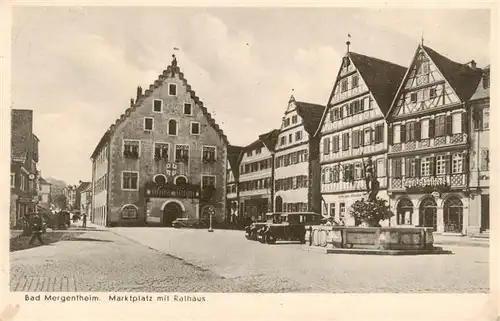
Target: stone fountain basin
375, 240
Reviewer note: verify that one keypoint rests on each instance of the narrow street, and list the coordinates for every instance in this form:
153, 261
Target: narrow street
171, 260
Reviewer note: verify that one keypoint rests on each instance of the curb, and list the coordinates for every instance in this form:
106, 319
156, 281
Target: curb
464, 244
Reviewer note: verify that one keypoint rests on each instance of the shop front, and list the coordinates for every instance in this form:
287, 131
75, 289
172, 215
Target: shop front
254, 207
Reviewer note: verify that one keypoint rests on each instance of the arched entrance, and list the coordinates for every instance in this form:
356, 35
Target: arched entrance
405, 212
279, 204
428, 213
453, 215
171, 212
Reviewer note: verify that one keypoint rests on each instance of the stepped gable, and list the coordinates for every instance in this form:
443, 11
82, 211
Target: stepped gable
311, 115
462, 78
381, 77
171, 70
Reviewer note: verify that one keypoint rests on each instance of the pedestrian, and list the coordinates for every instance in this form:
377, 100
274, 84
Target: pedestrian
84, 220
36, 229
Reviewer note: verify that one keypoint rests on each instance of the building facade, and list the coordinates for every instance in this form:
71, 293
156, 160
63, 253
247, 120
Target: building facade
429, 141
70, 192
293, 186
44, 199
234, 154
23, 168
86, 200
353, 131
256, 176
479, 163
164, 158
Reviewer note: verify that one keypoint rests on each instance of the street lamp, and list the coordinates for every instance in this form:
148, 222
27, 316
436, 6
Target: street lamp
210, 210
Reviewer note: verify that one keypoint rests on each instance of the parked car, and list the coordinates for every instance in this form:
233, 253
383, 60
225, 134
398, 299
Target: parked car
188, 222
290, 227
253, 230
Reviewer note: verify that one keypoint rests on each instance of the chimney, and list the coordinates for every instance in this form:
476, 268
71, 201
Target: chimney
131, 102
139, 93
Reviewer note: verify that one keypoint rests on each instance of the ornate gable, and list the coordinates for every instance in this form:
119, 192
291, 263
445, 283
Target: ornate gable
424, 87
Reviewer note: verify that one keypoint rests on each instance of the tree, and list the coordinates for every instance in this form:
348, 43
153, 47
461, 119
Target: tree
371, 212
60, 202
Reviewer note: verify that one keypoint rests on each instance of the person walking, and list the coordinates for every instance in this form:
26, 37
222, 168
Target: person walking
84, 220
36, 229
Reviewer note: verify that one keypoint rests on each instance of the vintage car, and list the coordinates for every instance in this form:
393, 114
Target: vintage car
253, 231
290, 227
188, 222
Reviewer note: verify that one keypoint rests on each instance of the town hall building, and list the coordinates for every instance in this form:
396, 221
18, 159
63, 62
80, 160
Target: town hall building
163, 159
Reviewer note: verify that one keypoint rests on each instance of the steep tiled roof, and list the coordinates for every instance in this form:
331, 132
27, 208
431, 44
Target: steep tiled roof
483, 91
171, 69
234, 154
462, 78
381, 77
310, 114
43, 181
270, 138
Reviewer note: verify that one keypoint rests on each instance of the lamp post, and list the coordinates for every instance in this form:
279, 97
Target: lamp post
210, 210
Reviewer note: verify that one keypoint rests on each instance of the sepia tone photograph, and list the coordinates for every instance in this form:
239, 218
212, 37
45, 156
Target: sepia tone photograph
249, 150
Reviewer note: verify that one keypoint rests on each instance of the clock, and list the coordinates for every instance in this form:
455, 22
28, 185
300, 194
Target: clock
31, 176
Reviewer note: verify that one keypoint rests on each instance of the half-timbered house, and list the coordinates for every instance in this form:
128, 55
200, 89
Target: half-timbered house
353, 131
429, 143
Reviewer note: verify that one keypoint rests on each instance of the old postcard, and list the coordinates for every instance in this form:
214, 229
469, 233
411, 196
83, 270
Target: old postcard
172, 161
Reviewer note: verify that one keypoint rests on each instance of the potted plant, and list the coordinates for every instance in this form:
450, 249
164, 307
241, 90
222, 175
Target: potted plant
370, 213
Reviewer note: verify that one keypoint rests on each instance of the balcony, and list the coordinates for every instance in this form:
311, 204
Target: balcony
341, 96
442, 141
357, 185
426, 184
352, 153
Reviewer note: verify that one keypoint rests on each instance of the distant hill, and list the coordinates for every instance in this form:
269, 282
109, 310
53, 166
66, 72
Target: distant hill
57, 182
57, 186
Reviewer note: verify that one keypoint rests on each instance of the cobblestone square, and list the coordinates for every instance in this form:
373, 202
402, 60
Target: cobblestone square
171, 260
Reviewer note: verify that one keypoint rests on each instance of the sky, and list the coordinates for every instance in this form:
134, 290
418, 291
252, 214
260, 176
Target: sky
78, 67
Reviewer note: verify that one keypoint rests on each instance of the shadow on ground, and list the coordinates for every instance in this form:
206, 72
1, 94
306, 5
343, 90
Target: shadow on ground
20, 242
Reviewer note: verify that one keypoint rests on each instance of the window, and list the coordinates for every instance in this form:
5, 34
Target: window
160, 179
181, 153
440, 126
286, 122
249, 153
157, 105
486, 118
424, 129
368, 137
457, 164
413, 97
345, 141
290, 138
129, 211
258, 150
207, 181
343, 85
432, 93
294, 119
342, 210
358, 171
379, 134
129, 180
195, 128
12, 180
187, 109
298, 136
355, 81
440, 165
425, 166
161, 151
148, 123
485, 159
396, 137
172, 89
131, 148
208, 154
326, 146
172, 127
282, 140
380, 167
456, 124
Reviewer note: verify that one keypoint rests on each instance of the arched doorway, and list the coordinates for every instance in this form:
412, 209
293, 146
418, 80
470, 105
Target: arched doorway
428, 213
405, 212
279, 204
171, 212
453, 215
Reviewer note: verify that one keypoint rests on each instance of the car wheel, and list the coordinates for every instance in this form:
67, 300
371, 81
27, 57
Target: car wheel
270, 239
